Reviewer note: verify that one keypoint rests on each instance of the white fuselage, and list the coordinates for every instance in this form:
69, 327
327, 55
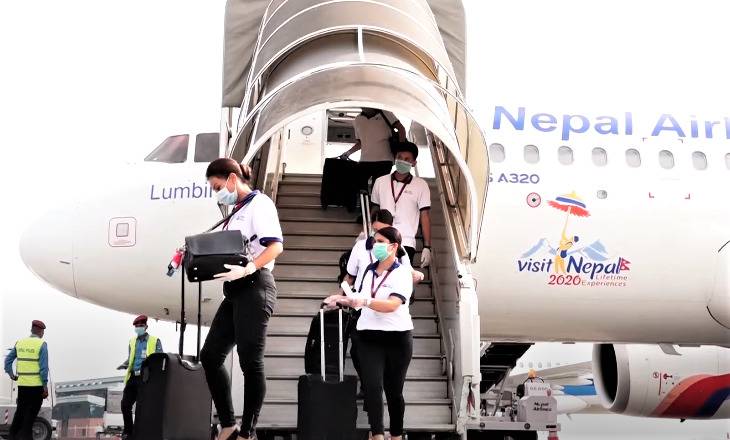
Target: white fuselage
642, 270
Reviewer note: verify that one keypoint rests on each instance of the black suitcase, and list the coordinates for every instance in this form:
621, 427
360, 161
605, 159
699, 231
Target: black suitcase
340, 183
327, 409
174, 402
331, 347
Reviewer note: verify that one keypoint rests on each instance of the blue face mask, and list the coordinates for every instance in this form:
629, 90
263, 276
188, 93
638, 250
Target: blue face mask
140, 331
226, 197
402, 166
380, 251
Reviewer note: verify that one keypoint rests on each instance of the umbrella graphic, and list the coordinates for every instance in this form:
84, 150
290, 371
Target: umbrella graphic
571, 204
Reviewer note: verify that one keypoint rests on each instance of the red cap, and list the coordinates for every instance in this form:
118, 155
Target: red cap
39, 324
140, 320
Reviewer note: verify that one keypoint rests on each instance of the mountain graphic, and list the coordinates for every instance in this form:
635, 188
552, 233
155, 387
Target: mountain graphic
595, 251
542, 247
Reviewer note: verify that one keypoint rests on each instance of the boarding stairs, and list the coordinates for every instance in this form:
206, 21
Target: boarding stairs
306, 273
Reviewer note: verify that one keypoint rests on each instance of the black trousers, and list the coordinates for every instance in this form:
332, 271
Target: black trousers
353, 341
129, 397
387, 355
29, 403
373, 170
241, 320
411, 254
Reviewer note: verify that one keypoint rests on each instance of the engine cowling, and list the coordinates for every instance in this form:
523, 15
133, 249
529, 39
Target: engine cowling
643, 380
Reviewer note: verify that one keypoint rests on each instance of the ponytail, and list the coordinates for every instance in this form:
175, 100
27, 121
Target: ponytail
223, 167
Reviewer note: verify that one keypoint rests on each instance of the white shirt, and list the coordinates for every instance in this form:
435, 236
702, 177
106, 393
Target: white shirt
395, 282
373, 134
259, 222
415, 197
361, 258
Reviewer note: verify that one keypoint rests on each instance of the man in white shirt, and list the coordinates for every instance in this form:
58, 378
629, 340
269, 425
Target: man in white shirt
372, 132
409, 199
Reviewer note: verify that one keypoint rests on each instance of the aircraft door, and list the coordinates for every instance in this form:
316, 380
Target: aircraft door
719, 302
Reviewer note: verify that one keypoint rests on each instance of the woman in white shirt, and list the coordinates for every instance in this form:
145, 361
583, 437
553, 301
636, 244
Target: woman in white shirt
249, 298
385, 340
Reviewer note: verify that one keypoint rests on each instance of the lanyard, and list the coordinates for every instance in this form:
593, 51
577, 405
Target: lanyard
373, 289
392, 190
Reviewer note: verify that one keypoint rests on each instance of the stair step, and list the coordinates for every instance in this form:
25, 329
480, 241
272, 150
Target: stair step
324, 240
294, 199
285, 386
293, 364
328, 286
310, 304
294, 342
425, 325
307, 212
350, 230
293, 177
322, 256
298, 185
282, 413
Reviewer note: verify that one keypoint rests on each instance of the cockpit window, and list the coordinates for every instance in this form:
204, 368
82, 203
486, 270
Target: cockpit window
206, 147
172, 150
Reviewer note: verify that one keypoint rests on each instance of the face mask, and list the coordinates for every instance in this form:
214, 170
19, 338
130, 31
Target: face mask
226, 197
380, 251
140, 330
402, 166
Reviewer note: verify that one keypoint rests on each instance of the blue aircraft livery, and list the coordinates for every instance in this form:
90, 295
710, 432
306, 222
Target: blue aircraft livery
567, 125
189, 191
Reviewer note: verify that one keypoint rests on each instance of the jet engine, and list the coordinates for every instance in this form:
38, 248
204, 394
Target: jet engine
663, 381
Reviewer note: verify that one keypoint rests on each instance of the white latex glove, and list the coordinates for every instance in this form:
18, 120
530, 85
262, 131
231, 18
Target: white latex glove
417, 276
236, 272
425, 257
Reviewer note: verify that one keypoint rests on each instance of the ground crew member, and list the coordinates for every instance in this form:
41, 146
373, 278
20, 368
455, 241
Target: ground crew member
31, 354
140, 346
408, 198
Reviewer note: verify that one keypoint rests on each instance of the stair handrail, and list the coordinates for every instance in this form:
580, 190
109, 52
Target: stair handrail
365, 213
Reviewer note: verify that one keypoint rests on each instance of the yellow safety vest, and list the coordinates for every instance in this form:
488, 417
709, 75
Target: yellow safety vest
151, 348
29, 367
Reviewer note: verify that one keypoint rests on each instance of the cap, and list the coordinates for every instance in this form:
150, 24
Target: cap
39, 324
140, 320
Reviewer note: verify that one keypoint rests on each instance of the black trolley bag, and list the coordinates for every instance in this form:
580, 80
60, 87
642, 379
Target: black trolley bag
174, 402
331, 347
327, 409
340, 183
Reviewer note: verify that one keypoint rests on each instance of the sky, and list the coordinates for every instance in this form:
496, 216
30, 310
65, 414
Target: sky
89, 84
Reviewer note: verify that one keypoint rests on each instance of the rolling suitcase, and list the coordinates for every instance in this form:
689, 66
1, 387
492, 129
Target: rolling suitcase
327, 409
331, 348
340, 183
174, 402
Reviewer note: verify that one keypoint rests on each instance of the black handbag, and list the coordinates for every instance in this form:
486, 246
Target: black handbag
205, 254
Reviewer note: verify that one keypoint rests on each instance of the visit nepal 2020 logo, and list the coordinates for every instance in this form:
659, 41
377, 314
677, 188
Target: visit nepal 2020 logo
569, 263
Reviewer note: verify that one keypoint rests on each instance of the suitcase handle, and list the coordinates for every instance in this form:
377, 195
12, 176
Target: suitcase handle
321, 344
188, 365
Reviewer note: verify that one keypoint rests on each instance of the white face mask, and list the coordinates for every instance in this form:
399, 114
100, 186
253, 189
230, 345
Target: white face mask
226, 197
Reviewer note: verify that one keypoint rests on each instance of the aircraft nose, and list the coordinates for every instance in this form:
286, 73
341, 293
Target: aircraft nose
46, 247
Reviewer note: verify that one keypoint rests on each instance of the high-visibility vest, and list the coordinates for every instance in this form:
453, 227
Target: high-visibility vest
28, 352
151, 348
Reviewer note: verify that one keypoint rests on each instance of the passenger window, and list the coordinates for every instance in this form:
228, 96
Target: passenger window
633, 158
496, 153
565, 155
600, 158
727, 161
172, 150
206, 147
699, 160
532, 154
666, 159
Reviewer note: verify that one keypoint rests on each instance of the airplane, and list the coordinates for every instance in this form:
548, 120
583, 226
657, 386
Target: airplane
123, 268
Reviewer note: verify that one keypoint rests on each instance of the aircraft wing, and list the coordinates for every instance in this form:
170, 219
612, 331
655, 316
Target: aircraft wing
580, 373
